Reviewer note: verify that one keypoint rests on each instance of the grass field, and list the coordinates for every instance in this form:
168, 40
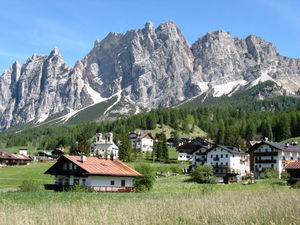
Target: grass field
173, 200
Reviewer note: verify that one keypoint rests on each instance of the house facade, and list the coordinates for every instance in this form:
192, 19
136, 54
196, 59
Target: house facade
143, 142
228, 160
95, 174
272, 155
104, 146
189, 150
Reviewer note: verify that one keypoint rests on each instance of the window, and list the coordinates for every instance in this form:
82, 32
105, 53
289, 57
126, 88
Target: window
221, 164
217, 164
211, 156
83, 181
123, 183
292, 158
221, 155
283, 157
272, 166
112, 182
259, 166
226, 155
232, 156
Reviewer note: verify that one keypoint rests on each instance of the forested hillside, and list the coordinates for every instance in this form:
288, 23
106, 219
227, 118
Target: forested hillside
223, 124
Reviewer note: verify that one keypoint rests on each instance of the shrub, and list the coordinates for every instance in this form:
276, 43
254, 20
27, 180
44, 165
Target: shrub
77, 188
269, 173
146, 182
285, 175
30, 186
203, 174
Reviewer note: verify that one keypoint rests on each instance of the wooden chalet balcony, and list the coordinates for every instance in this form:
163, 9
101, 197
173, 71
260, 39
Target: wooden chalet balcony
66, 187
200, 159
265, 161
265, 153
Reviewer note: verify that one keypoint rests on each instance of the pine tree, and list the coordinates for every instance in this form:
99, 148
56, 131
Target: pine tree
74, 148
163, 147
83, 145
221, 133
125, 148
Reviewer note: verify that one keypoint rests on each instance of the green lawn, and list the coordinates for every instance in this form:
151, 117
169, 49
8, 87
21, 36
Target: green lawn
15, 149
12, 176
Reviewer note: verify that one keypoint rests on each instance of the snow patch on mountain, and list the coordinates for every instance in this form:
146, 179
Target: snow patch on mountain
224, 89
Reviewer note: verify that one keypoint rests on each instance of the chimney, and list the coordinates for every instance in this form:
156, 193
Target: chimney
82, 158
266, 138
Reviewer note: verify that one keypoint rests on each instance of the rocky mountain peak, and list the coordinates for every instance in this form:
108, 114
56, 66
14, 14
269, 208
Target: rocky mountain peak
148, 67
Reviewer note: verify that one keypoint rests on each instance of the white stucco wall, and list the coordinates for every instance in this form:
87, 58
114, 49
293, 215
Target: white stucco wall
182, 156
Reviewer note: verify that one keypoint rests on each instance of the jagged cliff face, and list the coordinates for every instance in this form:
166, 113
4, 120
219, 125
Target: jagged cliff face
148, 68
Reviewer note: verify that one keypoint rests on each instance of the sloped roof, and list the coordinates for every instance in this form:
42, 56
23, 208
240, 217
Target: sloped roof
277, 145
190, 147
99, 166
229, 149
16, 156
293, 165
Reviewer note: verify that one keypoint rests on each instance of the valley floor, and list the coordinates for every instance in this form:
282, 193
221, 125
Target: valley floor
173, 200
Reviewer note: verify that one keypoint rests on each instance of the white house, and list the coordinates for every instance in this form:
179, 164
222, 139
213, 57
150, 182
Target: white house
97, 174
104, 146
227, 159
143, 142
272, 155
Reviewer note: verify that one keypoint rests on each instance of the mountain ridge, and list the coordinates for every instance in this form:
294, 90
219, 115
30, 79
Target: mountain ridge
148, 68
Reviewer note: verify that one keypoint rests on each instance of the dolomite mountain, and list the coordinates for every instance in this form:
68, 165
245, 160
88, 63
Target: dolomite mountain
143, 69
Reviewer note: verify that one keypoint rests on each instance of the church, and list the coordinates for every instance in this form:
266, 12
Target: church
104, 146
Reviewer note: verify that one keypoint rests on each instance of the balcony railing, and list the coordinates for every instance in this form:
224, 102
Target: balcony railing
65, 187
216, 158
265, 153
265, 161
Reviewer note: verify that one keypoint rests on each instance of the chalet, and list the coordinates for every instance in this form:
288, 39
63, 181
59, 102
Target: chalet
23, 151
199, 155
96, 174
186, 151
293, 168
143, 142
104, 146
272, 155
228, 162
14, 159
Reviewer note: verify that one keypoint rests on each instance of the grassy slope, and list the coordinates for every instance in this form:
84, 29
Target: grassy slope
198, 132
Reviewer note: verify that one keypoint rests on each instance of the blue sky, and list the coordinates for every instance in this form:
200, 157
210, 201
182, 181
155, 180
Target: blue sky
37, 26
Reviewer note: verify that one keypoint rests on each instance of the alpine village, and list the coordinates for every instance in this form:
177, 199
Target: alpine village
148, 129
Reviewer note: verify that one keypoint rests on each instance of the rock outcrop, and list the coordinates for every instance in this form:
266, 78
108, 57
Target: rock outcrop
149, 67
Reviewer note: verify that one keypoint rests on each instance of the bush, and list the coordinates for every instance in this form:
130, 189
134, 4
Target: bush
30, 186
285, 175
269, 173
145, 183
77, 188
203, 174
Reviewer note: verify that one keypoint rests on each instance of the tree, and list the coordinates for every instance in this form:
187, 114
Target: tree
74, 148
221, 133
203, 174
83, 145
146, 182
125, 148
175, 135
163, 147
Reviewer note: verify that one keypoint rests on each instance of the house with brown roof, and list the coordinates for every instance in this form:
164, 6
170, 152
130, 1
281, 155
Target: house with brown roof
96, 174
14, 159
293, 168
189, 151
143, 142
272, 155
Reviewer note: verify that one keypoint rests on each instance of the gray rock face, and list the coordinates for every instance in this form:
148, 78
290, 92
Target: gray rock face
149, 67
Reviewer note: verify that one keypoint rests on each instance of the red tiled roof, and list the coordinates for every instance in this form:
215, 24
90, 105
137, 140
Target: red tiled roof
98, 166
293, 165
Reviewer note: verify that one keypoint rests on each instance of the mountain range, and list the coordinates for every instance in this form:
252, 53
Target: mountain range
140, 70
